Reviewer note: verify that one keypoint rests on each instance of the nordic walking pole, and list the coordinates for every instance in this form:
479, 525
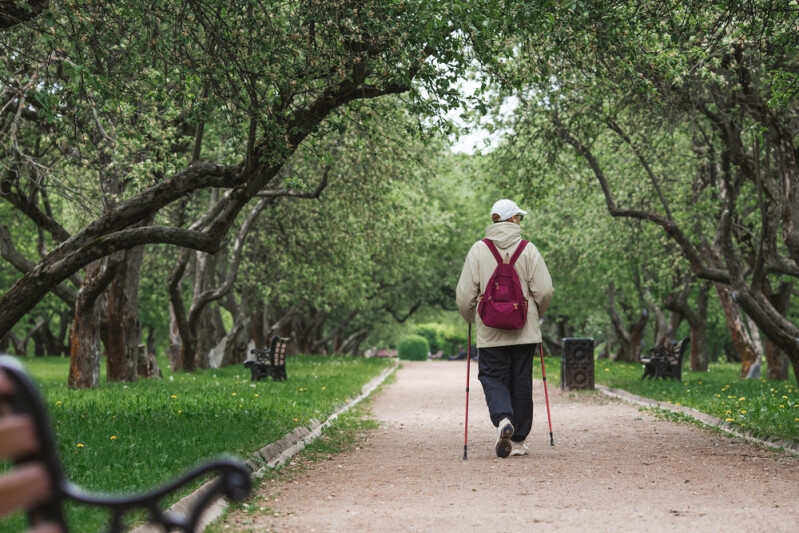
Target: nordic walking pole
468, 368
546, 394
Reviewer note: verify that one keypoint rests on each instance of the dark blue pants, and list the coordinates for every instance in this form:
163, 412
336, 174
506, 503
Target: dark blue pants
506, 373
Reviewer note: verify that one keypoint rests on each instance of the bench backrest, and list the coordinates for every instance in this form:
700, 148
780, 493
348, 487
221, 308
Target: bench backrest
36, 481
279, 346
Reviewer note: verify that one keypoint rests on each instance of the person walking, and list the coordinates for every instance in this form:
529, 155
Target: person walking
505, 361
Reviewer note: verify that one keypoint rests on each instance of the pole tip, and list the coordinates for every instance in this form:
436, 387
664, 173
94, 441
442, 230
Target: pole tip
464, 453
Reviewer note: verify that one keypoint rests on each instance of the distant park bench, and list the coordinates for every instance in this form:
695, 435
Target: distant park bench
36, 483
269, 362
665, 362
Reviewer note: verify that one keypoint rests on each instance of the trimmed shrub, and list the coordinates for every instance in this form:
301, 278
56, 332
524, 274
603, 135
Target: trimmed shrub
413, 348
433, 334
447, 338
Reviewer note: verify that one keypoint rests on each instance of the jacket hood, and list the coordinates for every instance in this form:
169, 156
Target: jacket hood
504, 234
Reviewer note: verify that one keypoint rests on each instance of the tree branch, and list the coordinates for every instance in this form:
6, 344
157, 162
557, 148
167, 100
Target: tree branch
13, 12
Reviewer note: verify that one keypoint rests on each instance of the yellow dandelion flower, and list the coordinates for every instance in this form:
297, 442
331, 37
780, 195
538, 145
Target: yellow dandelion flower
174, 396
729, 419
80, 445
113, 437
743, 411
256, 394
234, 394
741, 399
58, 402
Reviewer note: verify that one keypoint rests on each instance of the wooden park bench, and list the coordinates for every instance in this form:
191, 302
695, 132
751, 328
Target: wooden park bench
36, 484
665, 362
269, 361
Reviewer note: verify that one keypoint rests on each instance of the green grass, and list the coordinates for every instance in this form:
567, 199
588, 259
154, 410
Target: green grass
130, 437
343, 435
765, 407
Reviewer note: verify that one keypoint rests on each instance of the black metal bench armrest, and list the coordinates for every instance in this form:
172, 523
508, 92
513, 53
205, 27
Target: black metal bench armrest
233, 481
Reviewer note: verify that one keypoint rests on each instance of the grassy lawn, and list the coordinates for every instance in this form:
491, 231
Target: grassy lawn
133, 436
766, 407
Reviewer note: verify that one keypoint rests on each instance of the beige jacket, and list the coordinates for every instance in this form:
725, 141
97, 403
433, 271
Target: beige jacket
533, 275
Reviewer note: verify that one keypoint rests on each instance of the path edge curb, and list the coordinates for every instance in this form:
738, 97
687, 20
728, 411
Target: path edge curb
275, 454
788, 446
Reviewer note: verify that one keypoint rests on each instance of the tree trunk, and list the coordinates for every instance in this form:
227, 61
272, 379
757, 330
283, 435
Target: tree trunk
123, 329
204, 324
740, 337
173, 349
757, 345
236, 343
698, 322
185, 353
629, 340
204, 273
84, 360
778, 364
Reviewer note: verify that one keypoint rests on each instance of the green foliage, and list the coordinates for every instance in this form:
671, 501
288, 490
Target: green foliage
126, 437
413, 348
448, 338
433, 334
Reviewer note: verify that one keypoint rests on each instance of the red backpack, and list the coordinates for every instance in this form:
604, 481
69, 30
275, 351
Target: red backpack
503, 304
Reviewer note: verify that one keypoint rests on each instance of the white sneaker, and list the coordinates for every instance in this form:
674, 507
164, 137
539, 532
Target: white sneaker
519, 448
504, 433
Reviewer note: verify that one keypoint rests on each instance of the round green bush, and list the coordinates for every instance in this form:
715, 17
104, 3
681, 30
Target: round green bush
413, 348
431, 332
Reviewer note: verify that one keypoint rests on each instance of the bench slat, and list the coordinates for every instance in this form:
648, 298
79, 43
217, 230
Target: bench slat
25, 487
17, 437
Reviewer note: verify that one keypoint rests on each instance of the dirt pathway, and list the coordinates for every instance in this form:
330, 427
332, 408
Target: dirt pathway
613, 468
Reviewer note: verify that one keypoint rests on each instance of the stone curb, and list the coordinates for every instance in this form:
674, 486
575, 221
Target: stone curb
274, 454
281, 451
771, 442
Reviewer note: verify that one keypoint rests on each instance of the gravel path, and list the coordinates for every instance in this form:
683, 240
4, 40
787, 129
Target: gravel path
613, 468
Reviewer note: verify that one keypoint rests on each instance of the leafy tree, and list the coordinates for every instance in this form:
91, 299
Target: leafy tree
135, 96
694, 95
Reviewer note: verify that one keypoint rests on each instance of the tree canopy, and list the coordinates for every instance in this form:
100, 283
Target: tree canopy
289, 162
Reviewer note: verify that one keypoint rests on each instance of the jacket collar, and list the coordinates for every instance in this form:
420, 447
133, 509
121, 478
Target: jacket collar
504, 234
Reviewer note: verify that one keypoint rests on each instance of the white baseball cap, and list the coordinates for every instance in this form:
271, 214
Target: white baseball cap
506, 209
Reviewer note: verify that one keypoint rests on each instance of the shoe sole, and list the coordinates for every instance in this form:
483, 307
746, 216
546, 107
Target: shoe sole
503, 444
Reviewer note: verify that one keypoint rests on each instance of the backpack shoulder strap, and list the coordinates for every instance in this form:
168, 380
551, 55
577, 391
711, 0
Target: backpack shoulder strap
518, 251
493, 248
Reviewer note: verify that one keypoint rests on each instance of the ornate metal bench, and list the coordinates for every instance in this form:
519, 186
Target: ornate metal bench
269, 362
665, 362
36, 483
